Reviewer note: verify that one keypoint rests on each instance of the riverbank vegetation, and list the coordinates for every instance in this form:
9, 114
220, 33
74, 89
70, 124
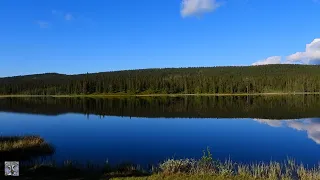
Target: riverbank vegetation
173, 169
282, 78
208, 168
23, 147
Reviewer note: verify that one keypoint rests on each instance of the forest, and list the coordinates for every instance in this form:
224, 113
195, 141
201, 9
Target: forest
211, 80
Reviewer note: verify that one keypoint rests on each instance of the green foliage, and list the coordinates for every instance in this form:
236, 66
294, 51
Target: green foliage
206, 161
250, 79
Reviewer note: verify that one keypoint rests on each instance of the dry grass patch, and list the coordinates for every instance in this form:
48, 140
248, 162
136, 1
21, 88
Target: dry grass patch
24, 147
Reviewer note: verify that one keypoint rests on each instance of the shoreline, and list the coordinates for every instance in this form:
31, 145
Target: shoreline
204, 168
163, 95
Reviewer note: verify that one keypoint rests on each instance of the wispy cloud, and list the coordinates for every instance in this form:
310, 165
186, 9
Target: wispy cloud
56, 12
311, 55
43, 24
198, 7
61, 14
68, 17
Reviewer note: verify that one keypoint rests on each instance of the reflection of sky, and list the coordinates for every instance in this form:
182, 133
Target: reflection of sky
312, 126
145, 140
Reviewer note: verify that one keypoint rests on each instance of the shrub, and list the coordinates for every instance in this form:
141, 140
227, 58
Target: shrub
172, 166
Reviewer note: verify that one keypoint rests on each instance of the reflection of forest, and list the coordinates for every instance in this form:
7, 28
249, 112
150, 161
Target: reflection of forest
264, 107
312, 126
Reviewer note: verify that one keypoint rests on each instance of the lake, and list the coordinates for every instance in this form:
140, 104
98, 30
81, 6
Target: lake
145, 130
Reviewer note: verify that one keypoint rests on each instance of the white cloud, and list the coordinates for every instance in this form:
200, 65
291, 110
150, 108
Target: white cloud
197, 7
43, 24
68, 17
311, 126
269, 60
310, 56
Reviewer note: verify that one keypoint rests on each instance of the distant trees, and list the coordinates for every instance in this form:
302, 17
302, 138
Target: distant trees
250, 79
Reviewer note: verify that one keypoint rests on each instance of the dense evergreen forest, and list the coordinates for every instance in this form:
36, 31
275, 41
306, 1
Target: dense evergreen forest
263, 107
247, 79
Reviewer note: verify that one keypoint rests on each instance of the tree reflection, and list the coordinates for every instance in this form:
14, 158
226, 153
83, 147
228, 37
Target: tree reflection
263, 107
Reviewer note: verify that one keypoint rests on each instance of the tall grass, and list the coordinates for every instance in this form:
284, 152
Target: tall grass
287, 170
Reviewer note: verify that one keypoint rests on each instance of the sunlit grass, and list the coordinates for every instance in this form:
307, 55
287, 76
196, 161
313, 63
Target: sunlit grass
23, 147
188, 169
208, 168
13, 143
177, 169
185, 177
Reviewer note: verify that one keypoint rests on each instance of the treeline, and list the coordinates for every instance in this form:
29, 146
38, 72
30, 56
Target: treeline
250, 79
263, 107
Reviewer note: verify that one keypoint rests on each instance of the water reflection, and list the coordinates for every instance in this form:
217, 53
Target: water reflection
311, 126
171, 126
262, 107
270, 122
148, 141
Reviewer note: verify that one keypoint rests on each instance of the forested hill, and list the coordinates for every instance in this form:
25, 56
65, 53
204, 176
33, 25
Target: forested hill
247, 79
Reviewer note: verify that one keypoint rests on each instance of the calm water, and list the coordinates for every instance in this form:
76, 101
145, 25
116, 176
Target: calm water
149, 130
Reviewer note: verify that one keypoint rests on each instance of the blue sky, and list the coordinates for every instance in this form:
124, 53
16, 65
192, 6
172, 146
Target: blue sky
71, 37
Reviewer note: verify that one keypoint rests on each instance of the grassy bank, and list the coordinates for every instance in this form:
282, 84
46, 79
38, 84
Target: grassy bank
182, 169
188, 177
23, 147
208, 168
155, 95
204, 168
